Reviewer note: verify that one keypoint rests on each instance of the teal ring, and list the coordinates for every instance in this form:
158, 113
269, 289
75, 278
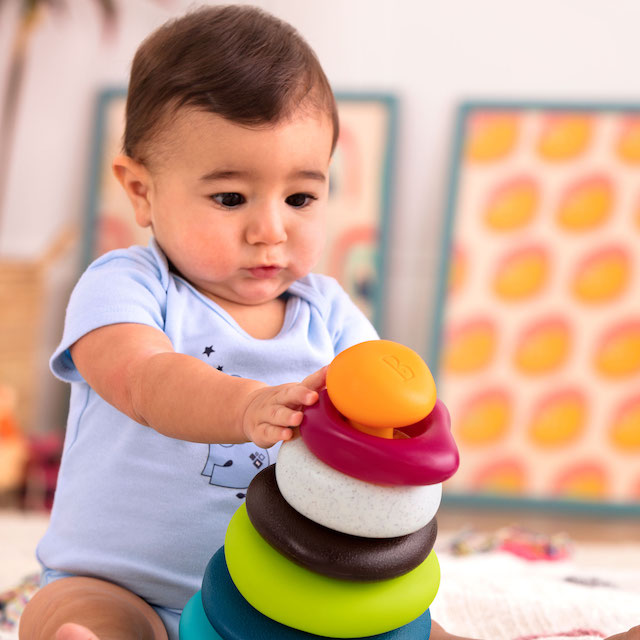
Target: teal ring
194, 624
235, 619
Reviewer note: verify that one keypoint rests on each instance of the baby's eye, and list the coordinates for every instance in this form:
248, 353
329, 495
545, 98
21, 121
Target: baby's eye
300, 200
229, 200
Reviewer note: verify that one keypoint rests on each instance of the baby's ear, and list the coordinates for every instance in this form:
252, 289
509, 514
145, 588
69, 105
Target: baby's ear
136, 181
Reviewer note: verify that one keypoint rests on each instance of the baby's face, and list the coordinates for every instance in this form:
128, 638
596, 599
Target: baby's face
240, 211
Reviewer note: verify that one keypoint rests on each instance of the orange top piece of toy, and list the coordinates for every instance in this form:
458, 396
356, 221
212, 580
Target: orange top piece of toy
381, 384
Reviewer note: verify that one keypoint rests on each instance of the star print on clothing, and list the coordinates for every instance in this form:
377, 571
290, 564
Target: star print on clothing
208, 351
219, 367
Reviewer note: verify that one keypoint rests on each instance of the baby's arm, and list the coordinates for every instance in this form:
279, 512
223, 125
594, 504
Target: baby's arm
134, 368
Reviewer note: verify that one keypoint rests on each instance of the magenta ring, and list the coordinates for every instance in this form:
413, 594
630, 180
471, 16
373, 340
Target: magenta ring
428, 456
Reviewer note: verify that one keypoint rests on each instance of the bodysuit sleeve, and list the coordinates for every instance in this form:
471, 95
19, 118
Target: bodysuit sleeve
346, 324
123, 286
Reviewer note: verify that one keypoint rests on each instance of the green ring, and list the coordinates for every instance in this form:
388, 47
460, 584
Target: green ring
308, 601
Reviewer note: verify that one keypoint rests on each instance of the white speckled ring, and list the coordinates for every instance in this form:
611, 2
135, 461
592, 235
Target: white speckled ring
346, 504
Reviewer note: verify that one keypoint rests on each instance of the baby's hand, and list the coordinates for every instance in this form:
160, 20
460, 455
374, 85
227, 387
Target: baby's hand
271, 412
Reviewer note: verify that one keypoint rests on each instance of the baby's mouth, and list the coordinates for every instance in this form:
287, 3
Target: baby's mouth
265, 272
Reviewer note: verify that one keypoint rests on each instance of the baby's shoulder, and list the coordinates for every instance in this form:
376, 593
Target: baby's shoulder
135, 261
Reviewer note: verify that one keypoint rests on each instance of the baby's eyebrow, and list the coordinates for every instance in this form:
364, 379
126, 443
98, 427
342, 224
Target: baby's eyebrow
310, 175
230, 174
223, 174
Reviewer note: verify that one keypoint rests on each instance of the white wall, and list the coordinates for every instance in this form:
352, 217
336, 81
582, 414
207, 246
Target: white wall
431, 53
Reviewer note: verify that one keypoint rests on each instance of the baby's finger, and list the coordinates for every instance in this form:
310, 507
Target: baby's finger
274, 434
283, 416
297, 395
267, 435
316, 380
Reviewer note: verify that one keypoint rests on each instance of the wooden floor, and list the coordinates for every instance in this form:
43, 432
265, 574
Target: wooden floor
579, 527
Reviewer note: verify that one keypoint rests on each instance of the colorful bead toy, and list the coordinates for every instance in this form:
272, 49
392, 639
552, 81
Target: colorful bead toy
342, 528
381, 385
236, 619
346, 504
305, 600
427, 456
326, 551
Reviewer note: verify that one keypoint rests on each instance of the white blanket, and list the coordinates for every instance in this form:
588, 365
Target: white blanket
498, 596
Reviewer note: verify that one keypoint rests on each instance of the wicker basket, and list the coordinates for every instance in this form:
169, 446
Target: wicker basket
25, 316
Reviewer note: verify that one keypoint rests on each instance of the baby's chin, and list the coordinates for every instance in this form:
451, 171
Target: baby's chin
247, 296
257, 292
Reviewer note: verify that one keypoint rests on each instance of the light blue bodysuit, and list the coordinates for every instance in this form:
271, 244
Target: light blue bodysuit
138, 508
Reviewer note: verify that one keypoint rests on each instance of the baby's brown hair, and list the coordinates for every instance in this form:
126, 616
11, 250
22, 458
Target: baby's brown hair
236, 61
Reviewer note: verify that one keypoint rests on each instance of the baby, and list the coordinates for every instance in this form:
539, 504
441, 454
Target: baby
181, 355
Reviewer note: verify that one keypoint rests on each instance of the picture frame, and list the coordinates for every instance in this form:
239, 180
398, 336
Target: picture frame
361, 183
536, 342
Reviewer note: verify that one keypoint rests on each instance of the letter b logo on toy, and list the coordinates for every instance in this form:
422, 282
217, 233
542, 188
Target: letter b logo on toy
403, 370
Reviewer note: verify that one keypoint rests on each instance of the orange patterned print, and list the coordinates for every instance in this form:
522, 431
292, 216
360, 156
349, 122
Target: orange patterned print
618, 353
491, 135
469, 347
628, 147
512, 205
625, 429
586, 204
543, 347
522, 273
484, 418
602, 276
583, 481
565, 136
558, 418
540, 359
505, 476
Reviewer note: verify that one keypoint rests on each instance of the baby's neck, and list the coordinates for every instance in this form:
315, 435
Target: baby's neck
263, 321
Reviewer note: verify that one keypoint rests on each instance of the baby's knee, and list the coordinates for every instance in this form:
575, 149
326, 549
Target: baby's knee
108, 610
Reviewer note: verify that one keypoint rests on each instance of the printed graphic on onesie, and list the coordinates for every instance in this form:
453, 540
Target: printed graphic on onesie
233, 465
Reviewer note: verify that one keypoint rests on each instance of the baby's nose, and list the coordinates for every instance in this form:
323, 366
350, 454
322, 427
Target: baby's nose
266, 227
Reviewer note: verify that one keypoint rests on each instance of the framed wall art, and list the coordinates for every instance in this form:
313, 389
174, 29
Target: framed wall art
359, 203
537, 343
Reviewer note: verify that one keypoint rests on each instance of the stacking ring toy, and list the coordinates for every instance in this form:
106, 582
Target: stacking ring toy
346, 504
381, 384
326, 551
235, 619
194, 624
428, 456
304, 600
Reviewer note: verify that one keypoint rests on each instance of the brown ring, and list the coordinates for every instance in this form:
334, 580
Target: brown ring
328, 552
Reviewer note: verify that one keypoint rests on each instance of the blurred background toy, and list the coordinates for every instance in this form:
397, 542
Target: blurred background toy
14, 450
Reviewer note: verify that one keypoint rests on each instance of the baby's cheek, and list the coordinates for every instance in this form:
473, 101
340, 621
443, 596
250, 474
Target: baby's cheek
312, 245
212, 253
305, 260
